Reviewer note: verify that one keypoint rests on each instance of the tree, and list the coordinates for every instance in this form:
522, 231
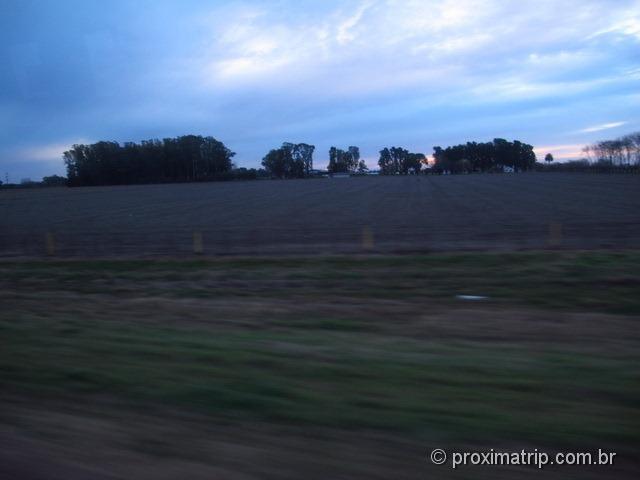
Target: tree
503, 153
484, 157
303, 153
397, 160
54, 181
385, 162
524, 156
398, 155
291, 160
275, 162
412, 163
213, 158
548, 158
343, 161
185, 158
620, 151
353, 160
300, 158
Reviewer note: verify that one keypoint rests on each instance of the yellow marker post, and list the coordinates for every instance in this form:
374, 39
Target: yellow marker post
555, 234
198, 247
367, 238
50, 243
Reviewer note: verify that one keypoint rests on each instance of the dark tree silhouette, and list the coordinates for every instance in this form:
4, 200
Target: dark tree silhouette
548, 158
620, 151
399, 161
341, 161
291, 160
180, 159
275, 162
484, 157
54, 181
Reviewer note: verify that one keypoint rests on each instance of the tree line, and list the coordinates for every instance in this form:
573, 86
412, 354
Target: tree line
623, 150
295, 160
197, 158
620, 155
585, 166
48, 181
180, 159
485, 157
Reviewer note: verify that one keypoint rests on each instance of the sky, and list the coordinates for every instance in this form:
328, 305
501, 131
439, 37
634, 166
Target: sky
557, 74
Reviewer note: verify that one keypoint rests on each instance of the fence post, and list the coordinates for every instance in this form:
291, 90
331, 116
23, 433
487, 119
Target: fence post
50, 244
555, 234
198, 248
367, 238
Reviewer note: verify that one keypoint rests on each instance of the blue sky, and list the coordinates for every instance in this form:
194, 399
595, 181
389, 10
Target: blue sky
415, 73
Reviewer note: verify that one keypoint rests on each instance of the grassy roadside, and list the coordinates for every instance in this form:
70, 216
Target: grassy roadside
455, 390
590, 281
378, 343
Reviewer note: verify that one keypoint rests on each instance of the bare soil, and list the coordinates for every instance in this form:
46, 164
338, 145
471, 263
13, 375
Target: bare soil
370, 214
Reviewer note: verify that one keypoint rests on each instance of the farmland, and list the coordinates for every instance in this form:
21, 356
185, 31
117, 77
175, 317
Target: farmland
370, 214
331, 328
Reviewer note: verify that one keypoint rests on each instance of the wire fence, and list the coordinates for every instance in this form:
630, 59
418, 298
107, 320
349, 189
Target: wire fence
311, 241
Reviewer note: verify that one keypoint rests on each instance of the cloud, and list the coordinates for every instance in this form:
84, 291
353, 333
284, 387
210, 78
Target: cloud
629, 26
346, 32
366, 72
560, 152
604, 126
352, 48
51, 152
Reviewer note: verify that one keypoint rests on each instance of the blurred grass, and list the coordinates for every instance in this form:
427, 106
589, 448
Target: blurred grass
336, 368
589, 281
460, 390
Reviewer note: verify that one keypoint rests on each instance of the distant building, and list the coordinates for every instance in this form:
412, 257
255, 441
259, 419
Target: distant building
318, 173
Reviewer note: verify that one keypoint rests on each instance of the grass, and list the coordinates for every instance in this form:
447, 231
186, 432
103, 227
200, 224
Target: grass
332, 342
446, 388
590, 281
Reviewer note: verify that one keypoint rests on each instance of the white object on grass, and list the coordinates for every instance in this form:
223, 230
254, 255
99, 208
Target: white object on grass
471, 297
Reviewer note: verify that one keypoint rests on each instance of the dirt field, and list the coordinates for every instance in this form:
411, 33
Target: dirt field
379, 214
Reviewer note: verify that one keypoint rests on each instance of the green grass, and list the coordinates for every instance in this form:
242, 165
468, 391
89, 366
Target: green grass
341, 362
588, 281
451, 389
